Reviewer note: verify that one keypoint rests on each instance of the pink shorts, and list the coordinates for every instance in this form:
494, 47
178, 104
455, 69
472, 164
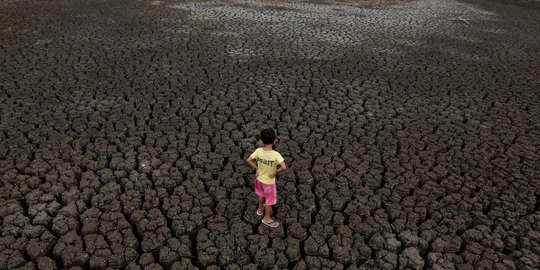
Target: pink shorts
267, 191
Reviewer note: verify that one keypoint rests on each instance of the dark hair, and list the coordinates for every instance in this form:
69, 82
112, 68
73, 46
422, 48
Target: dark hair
268, 136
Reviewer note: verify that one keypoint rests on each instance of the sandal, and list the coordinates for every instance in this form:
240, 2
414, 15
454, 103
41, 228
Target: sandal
271, 223
259, 213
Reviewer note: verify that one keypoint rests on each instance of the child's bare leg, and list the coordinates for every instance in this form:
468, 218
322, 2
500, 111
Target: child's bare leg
261, 202
267, 210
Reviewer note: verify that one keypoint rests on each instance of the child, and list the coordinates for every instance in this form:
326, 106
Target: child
265, 183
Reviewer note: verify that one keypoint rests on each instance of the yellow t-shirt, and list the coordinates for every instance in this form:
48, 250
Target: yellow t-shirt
267, 162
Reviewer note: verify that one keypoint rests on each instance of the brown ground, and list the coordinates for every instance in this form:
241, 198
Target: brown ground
411, 129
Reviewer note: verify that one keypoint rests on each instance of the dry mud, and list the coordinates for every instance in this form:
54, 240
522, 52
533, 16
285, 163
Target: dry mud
411, 129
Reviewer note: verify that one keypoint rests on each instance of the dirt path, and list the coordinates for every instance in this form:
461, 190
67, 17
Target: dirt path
411, 128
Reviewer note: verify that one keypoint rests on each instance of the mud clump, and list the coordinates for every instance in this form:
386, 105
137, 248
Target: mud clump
410, 128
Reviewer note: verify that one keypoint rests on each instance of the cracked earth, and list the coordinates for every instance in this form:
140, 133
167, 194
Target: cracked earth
411, 129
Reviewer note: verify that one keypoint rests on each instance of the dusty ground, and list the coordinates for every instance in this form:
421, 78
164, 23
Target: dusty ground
411, 128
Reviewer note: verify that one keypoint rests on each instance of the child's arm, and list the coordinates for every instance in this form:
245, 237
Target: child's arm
251, 163
282, 168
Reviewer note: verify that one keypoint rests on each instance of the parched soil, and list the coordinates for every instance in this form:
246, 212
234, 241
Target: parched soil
411, 129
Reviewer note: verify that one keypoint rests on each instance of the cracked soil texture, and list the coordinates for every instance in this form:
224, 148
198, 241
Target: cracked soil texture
411, 129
